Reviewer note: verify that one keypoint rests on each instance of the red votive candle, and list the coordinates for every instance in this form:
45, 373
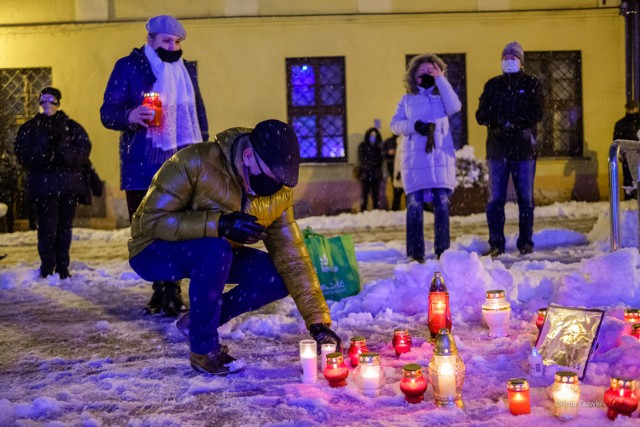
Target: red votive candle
621, 398
542, 314
356, 348
401, 341
336, 371
518, 396
413, 384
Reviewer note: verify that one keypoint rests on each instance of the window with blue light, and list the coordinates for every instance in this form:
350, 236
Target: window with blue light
316, 104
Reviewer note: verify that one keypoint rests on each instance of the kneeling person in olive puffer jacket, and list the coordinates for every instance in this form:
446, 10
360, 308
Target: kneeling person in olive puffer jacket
204, 204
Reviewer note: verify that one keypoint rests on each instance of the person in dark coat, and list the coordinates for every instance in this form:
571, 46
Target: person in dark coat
627, 128
53, 149
511, 105
8, 187
370, 167
389, 151
155, 67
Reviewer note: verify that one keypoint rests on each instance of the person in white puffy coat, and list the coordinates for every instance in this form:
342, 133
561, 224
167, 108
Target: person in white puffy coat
428, 162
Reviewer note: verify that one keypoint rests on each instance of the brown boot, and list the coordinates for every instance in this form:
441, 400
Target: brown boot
214, 363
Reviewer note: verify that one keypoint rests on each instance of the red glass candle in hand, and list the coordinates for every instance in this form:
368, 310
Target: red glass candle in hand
413, 384
152, 100
542, 315
439, 309
401, 341
356, 348
621, 398
518, 396
336, 372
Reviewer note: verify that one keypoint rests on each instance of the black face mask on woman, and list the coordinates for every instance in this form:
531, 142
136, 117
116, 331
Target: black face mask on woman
263, 185
427, 80
168, 55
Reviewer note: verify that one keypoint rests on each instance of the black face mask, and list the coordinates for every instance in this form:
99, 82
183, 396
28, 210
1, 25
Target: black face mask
427, 80
168, 55
263, 185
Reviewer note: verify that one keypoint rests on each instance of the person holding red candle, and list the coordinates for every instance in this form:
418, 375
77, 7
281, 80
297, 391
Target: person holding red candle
205, 206
155, 67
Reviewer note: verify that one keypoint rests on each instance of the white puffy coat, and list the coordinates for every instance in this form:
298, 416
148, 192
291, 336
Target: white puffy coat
421, 170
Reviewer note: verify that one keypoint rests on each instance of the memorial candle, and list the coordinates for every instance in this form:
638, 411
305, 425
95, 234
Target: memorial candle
518, 396
368, 375
309, 361
621, 398
335, 370
413, 384
566, 395
325, 349
496, 312
446, 371
439, 314
542, 315
401, 341
356, 348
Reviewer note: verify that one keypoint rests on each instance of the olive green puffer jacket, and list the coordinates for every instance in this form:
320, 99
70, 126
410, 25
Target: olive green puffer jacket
196, 185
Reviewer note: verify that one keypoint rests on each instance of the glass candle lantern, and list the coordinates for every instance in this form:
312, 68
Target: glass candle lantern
496, 312
369, 375
401, 341
446, 371
309, 361
357, 346
542, 315
325, 349
632, 315
439, 315
335, 371
635, 331
566, 395
152, 100
621, 398
518, 396
413, 384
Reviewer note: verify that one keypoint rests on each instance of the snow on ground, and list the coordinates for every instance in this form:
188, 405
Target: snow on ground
78, 352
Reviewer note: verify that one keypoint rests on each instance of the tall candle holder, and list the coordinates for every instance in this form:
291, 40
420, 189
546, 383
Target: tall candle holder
496, 312
439, 314
446, 371
413, 384
401, 341
309, 361
335, 370
358, 345
369, 375
518, 396
566, 395
621, 398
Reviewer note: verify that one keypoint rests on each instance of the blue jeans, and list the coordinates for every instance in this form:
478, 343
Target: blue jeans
415, 221
523, 173
211, 263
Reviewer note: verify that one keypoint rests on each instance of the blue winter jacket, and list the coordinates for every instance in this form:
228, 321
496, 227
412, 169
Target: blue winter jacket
130, 79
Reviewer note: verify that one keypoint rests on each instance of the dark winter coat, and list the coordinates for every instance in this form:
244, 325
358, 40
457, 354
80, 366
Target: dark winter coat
53, 150
130, 79
8, 178
370, 158
627, 127
195, 186
510, 106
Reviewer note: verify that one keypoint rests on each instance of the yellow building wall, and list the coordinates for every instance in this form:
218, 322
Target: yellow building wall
241, 63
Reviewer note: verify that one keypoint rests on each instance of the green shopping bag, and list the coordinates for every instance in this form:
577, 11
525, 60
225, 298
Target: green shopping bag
334, 260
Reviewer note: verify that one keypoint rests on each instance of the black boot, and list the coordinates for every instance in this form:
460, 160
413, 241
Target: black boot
172, 303
154, 306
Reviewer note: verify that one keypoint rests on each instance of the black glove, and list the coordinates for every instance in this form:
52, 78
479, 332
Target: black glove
324, 335
422, 128
240, 227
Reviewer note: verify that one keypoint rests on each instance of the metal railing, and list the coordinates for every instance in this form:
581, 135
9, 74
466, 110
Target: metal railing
614, 195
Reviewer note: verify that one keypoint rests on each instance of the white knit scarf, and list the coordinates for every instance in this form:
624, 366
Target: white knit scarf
180, 125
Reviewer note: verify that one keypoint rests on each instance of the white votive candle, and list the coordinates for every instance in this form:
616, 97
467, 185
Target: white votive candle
324, 350
309, 361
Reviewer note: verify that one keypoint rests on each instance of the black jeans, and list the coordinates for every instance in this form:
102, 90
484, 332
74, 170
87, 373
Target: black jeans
373, 187
55, 222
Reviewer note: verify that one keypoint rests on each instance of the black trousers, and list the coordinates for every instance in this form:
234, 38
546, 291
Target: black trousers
55, 222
